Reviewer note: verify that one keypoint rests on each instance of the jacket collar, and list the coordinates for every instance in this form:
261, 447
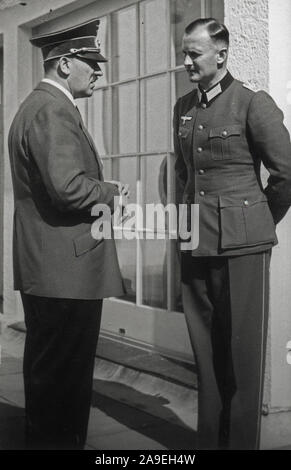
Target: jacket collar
60, 87
54, 91
216, 89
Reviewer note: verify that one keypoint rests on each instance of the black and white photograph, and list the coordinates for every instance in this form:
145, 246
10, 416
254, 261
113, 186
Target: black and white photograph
145, 231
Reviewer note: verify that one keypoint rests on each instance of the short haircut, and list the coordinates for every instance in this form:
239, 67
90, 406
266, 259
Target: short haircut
217, 31
50, 65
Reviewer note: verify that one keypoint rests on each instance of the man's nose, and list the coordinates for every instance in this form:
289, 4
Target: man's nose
187, 60
98, 73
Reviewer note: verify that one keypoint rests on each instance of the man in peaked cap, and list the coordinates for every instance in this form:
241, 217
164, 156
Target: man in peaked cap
223, 131
62, 272
78, 41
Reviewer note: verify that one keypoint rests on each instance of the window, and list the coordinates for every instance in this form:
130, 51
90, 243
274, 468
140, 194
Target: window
130, 118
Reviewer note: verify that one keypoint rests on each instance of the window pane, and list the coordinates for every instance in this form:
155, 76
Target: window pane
107, 168
154, 118
154, 195
216, 9
99, 120
154, 179
154, 278
124, 169
183, 12
102, 36
124, 43
124, 118
126, 250
154, 38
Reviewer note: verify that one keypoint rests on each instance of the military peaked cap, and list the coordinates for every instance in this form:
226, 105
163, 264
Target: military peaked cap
79, 41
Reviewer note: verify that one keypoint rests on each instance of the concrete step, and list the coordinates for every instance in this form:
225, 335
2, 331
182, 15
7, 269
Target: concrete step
161, 386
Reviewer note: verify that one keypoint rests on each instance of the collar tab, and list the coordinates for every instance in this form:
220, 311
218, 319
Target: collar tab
215, 90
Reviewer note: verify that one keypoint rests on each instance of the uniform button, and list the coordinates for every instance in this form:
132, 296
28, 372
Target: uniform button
202, 193
203, 105
246, 202
180, 133
224, 133
200, 149
201, 172
200, 127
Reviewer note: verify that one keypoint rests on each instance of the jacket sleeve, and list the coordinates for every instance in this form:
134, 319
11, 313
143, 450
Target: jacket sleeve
180, 167
271, 143
53, 143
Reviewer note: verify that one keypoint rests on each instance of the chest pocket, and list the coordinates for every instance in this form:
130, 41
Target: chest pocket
224, 141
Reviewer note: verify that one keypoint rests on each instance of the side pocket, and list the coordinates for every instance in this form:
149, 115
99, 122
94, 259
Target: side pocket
245, 223
85, 243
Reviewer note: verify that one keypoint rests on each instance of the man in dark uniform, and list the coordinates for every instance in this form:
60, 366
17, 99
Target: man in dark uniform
62, 272
222, 133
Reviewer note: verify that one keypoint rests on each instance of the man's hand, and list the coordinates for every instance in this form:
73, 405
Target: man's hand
123, 201
122, 188
123, 198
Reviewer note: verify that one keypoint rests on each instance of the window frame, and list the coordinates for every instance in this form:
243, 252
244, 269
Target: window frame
170, 73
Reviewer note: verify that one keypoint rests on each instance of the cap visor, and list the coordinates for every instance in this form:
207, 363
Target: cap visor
96, 56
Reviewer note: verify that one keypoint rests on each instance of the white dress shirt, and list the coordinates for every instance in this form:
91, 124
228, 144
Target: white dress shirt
60, 87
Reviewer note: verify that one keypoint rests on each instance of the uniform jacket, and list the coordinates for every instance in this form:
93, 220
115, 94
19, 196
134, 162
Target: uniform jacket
219, 148
57, 179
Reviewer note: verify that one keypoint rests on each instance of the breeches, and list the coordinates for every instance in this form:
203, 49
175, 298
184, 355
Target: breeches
226, 308
58, 367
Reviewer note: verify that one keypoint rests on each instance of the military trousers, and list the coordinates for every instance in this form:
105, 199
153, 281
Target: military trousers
226, 308
58, 368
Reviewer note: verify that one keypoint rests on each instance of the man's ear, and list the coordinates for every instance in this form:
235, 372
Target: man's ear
222, 55
65, 66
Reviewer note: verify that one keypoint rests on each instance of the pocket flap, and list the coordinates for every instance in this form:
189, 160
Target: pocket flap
225, 131
84, 243
245, 222
230, 201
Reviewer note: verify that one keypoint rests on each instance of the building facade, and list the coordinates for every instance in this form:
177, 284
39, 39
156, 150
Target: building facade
130, 119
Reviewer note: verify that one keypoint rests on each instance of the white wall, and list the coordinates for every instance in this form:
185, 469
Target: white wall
259, 55
247, 21
280, 86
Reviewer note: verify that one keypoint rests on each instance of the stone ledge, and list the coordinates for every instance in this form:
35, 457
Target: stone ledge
144, 385
150, 362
